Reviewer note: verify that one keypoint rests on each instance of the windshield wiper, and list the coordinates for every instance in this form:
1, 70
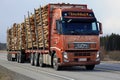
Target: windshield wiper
91, 33
75, 32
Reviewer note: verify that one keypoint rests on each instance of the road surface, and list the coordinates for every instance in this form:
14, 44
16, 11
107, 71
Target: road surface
104, 71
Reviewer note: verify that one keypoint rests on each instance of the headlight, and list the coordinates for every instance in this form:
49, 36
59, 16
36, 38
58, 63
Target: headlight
98, 54
65, 55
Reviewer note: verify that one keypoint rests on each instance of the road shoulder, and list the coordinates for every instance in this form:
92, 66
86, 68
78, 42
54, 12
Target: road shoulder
6, 74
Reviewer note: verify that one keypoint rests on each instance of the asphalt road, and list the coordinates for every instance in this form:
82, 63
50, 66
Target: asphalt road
104, 71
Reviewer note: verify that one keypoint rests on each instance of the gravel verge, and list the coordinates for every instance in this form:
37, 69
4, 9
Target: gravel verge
6, 74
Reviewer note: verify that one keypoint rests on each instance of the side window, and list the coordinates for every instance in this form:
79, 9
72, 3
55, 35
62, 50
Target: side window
58, 26
94, 26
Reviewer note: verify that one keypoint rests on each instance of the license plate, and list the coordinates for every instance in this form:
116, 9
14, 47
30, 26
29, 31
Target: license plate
82, 59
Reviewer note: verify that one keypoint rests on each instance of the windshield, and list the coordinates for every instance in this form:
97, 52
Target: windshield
79, 28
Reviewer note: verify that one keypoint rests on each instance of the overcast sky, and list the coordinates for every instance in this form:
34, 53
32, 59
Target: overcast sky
13, 11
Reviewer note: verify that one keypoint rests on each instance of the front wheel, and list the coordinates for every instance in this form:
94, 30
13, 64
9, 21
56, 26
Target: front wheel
90, 67
55, 63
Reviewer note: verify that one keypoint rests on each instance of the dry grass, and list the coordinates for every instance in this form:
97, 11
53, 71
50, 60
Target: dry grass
5, 74
3, 51
110, 55
115, 55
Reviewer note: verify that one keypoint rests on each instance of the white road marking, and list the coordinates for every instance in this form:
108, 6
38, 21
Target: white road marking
36, 69
52, 74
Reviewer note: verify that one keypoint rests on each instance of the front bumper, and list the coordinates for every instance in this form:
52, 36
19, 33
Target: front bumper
79, 63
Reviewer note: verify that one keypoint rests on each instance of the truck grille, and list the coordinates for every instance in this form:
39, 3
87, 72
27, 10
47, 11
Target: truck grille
82, 45
81, 54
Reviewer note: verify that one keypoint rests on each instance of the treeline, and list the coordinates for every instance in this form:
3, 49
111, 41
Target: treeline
2, 46
110, 42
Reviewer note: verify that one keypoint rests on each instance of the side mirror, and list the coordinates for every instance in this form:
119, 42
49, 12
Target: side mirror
100, 28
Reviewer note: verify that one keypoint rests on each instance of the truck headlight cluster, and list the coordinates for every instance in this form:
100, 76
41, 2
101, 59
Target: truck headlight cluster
98, 56
65, 56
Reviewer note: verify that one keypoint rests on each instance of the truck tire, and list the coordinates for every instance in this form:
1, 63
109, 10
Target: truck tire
90, 67
36, 59
15, 57
41, 64
32, 59
20, 58
55, 63
8, 57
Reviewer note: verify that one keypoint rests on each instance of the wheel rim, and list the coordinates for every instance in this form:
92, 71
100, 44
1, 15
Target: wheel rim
18, 58
41, 60
35, 59
8, 57
31, 59
55, 62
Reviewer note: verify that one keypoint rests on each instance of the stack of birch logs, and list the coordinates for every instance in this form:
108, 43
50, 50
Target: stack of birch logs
28, 34
21, 36
14, 37
30, 30
42, 21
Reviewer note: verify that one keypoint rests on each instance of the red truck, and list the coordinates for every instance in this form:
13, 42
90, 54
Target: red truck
64, 35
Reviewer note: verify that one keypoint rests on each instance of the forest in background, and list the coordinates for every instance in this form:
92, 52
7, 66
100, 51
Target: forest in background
2, 46
110, 47
110, 42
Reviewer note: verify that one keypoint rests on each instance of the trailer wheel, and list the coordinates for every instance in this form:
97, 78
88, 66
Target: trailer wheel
36, 59
55, 63
21, 58
90, 67
32, 59
41, 64
15, 57
8, 57
18, 57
